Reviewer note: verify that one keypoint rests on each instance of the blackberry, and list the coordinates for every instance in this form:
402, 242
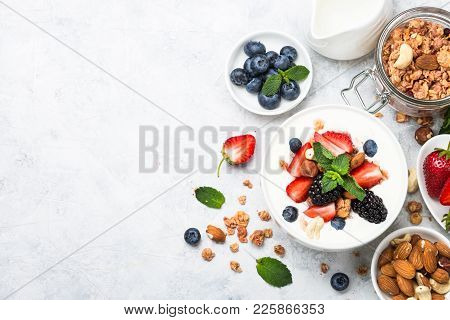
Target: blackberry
371, 208
320, 199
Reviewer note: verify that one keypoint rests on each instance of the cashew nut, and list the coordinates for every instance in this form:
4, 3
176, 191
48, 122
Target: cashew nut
405, 58
309, 154
422, 280
313, 228
423, 293
412, 180
441, 288
405, 238
411, 298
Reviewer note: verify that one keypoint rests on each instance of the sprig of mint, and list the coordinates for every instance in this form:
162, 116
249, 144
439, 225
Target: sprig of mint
446, 124
210, 197
273, 83
274, 272
446, 221
336, 171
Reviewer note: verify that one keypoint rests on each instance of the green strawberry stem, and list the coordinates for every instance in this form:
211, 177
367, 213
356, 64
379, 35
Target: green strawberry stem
218, 168
443, 152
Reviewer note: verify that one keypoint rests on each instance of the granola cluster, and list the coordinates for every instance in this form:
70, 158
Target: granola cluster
426, 74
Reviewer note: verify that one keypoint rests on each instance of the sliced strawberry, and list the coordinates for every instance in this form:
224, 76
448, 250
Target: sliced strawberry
334, 149
294, 167
367, 175
444, 198
326, 212
341, 139
297, 190
238, 150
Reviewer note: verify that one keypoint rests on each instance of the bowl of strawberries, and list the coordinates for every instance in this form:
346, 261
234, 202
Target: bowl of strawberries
433, 177
334, 177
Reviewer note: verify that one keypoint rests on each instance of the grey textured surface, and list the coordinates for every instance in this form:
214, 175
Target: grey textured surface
69, 178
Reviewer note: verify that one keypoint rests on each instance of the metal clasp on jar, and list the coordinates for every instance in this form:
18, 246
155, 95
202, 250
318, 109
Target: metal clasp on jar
382, 95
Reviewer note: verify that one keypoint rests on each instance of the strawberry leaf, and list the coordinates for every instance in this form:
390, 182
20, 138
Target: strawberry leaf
272, 85
274, 272
210, 197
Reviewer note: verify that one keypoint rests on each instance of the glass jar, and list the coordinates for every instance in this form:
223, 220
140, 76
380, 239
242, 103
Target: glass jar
386, 92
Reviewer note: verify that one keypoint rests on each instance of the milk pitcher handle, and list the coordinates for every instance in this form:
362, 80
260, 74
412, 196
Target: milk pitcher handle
382, 96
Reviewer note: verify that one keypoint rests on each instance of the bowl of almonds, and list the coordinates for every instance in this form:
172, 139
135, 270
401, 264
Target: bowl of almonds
412, 264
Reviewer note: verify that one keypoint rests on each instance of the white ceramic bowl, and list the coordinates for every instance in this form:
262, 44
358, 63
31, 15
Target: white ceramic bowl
273, 41
435, 207
362, 126
425, 233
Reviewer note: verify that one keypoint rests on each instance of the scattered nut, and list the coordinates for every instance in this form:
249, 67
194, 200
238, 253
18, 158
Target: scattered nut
242, 200
379, 115
309, 168
242, 234
362, 270
208, 254
405, 57
357, 160
215, 234
230, 231
283, 165
414, 206
309, 154
415, 218
257, 238
264, 215
318, 125
247, 183
324, 267
343, 207
313, 228
406, 238
401, 117
234, 247
241, 218
424, 121
230, 222
235, 266
268, 233
423, 134
413, 185
279, 250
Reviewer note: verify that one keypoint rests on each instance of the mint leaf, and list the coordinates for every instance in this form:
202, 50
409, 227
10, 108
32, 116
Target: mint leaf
446, 221
297, 73
272, 85
322, 156
341, 164
328, 184
446, 124
210, 197
274, 272
351, 186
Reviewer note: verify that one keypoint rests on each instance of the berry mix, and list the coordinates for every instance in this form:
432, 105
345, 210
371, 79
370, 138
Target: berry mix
333, 178
270, 75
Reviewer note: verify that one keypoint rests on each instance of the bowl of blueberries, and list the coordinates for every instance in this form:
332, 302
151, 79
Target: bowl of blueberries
268, 73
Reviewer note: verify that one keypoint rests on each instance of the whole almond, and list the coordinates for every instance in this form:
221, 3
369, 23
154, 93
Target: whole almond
440, 275
406, 286
388, 285
388, 270
416, 258
404, 268
385, 256
443, 249
437, 296
402, 251
400, 296
429, 260
425, 244
215, 234
427, 62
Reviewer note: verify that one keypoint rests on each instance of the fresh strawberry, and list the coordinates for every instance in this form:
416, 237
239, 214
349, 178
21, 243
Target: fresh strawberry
341, 139
436, 169
334, 149
237, 150
294, 167
444, 198
297, 190
367, 175
326, 212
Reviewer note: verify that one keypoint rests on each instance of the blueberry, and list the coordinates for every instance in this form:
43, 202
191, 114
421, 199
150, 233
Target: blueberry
269, 102
259, 63
338, 223
271, 55
239, 77
370, 148
290, 214
252, 48
339, 281
295, 144
289, 52
192, 236
281, 62
248, 68
290, 91
255, 85
269, 73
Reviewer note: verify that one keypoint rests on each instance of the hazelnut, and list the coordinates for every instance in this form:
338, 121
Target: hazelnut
415, 218
423, 134
268, 233
414, 206
208, 254
324, 267
234, 247
247, 183
279, 250
235, 266
309, 169
401, 117
424, 121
